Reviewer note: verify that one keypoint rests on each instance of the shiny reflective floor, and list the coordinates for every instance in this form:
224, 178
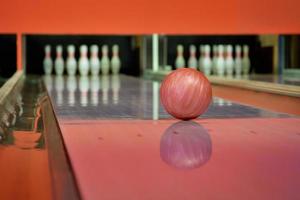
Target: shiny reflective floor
270, 78
123, 145
23, 155
201, 159
119, 97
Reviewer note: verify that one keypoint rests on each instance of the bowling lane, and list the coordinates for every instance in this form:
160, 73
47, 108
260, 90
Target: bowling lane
125, 97
123, 145
203, 159
271, 78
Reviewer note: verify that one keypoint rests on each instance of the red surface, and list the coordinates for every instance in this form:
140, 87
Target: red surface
19, 52
24, 170
250, 159
263, 100
185, 93
148, 16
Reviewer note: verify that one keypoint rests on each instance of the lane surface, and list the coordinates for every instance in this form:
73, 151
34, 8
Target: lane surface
122, 144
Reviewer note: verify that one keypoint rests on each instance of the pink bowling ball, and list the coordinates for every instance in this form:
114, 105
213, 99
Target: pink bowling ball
185, 93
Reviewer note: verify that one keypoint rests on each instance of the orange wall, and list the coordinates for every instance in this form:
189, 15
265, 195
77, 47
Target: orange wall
148, 16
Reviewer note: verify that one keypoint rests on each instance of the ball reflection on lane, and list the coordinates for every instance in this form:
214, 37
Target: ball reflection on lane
185, 145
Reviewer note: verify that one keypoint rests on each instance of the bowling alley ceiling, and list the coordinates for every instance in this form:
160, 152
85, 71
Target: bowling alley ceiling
155, 16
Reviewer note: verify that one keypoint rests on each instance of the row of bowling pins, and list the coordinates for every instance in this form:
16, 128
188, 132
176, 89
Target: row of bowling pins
222, 61
85, 64
87, 85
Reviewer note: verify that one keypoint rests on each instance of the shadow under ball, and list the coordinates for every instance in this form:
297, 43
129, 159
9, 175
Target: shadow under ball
185, 93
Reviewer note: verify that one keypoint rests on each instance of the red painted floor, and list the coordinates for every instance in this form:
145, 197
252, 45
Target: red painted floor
274, 102
24, 173
226, 159
247, 153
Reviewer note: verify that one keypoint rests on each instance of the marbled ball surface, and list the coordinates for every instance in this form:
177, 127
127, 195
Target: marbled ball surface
185, 145
185, 93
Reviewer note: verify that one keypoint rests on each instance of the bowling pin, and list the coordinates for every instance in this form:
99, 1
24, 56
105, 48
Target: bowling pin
71, 61
84, 86
59, 61
59, 87
105, 88
48, 83
206, 61
83, 65
94, 60
220, 68
105, 60
71, 87
229, 63
228, 103
245, 60
179, 62
201, 56
48, 64
238, 61
221, 102
115, 86
95, 86
115, 60
215, 57
192, 62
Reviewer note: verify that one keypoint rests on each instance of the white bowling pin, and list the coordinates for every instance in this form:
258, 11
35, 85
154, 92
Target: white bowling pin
221, 102
95, 86
238, 60
206, 61
229, 63
192, 62
59, 87
48, 64
245, 60
83, 64
48, 83
94, 60
84, 86
201, 56
180, 61
59, 61
105, 60
71, 64
71, 87
215, 58
115, 60
115, 86
220, 61
105, 88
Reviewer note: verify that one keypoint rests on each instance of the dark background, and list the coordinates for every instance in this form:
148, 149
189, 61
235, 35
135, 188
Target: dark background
261, 58
8, 55
128, 52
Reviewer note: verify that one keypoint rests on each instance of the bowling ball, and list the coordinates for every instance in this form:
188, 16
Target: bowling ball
185, 145
185, 93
